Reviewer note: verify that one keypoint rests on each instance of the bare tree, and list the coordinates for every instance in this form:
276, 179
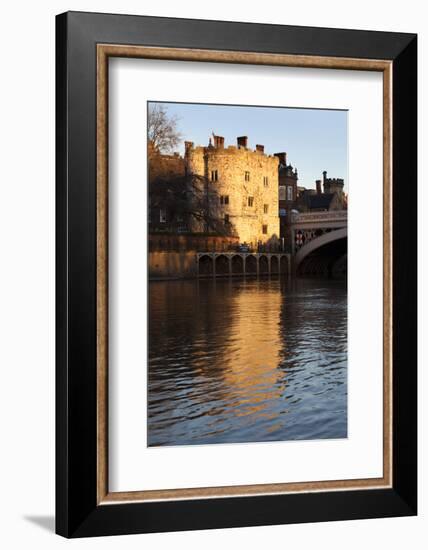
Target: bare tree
187, 198
162, 129
184, 195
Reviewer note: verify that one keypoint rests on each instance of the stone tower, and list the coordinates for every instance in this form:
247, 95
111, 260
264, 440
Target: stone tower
333, 185
242, 186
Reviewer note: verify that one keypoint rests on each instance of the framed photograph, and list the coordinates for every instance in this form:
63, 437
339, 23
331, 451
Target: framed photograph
236, 274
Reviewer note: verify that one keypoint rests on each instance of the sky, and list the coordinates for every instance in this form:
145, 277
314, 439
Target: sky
314, 139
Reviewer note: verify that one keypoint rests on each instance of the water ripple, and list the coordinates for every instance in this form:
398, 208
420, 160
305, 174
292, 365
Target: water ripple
246, 360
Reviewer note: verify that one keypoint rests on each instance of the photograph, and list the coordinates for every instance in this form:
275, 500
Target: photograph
212, 281
247, 266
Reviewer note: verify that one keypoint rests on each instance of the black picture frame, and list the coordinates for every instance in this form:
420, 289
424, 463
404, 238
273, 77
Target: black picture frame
77, 511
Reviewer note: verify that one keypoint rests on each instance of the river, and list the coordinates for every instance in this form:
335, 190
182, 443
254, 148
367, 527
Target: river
246, 360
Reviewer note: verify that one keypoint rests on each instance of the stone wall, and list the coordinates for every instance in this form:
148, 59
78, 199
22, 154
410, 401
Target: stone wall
174, 242
230, 166
172, 265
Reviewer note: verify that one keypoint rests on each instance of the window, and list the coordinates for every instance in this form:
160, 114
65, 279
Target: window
226, 219
162, 215
265, 181
265, 208
224, 199
282, 192
289, 193
214, 175
264, 229
247, 176
250, 201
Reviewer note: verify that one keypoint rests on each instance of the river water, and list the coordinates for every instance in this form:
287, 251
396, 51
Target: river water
235, 360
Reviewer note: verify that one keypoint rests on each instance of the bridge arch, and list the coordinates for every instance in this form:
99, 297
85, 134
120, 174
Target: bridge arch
318, 243
251, 265
222, 265
263, 265
237, 264
274, 265
206, 264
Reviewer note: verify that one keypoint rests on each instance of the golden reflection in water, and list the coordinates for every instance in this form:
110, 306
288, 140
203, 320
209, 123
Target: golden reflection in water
254, 345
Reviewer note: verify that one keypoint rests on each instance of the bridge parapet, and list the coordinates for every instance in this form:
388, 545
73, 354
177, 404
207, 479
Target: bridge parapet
307, 226
314, 217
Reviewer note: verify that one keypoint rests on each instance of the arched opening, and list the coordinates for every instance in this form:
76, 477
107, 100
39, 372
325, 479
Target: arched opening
263, 265
315, 265
328, 260
205, 265
250, 265
237, 265
283, 265
274, 264
222, 265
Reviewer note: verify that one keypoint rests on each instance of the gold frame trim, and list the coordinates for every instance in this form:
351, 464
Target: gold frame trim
104, 51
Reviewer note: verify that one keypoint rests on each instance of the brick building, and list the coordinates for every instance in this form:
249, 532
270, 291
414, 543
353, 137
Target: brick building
287, 179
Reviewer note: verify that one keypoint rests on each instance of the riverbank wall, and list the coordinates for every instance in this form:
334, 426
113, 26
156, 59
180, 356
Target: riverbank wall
186, 264
174, 256
172, 265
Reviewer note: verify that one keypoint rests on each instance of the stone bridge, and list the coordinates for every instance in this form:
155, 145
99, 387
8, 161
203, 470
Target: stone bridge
319, 243
319, 247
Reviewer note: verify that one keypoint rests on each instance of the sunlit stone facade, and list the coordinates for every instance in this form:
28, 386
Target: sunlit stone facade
241, 186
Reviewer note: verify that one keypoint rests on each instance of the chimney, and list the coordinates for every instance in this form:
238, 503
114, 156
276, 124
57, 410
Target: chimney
260, 148
242, 141
187, 146
219, 142
324, 181
318, 185
282, 158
